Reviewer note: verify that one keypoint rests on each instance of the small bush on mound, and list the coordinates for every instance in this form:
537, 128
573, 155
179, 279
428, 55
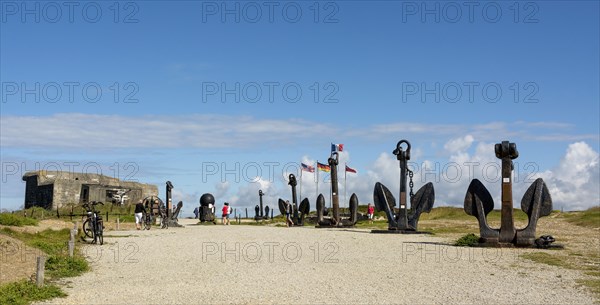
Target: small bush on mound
25, 292
469, 240
9, 219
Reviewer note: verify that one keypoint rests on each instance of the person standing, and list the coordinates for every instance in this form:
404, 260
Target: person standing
370, 212
139, 214
196, 213
225, 211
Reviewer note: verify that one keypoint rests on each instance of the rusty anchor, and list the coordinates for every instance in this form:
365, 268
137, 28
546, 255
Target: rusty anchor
258, 210
299, 212
335, 220
404, 220
536, 203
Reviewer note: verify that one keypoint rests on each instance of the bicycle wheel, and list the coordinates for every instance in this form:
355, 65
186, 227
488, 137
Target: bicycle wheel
148, 223
100, 232
88, 229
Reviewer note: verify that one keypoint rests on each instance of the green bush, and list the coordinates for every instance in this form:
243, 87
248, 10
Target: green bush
17, 220
469, 240
25, 292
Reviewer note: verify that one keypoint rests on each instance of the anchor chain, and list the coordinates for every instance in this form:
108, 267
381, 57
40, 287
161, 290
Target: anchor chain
410, 183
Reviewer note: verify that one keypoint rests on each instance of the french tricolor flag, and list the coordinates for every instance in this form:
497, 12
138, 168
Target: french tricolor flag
337, 147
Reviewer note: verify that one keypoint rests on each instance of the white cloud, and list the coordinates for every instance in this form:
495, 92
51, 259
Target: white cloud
575, 182
459, 144
224, 131
221, 189
201, 131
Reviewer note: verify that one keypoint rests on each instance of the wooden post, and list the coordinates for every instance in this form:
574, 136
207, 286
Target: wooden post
246, 213
106, 216
42, 214
39, 273
118, 224
71, 246
72, 240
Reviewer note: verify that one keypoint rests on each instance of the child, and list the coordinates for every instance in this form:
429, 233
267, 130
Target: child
370, 212
226, 210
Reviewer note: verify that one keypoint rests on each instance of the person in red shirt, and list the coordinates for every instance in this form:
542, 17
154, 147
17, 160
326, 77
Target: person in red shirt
370, 212
226, 211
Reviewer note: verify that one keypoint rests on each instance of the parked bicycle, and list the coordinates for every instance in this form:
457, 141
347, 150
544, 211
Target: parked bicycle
164, 222
93, 226
147, 220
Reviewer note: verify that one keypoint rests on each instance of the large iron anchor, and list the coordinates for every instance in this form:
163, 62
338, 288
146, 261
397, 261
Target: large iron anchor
536, 203
404, 219
299, 212
258, 210
336, 220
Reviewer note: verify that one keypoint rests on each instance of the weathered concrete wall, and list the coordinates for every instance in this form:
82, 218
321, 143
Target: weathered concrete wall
57, 189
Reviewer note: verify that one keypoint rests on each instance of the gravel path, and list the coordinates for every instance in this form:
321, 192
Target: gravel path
257, 264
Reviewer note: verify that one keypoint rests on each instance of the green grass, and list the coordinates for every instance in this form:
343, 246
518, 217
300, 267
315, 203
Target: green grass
446, 213
17, 220
548, 259
469, 240
377, 224
25, 292
59, 266
589, 218
453, 229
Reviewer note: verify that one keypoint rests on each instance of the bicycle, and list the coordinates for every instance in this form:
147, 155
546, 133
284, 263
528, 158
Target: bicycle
93, 226
164, 222
147, 223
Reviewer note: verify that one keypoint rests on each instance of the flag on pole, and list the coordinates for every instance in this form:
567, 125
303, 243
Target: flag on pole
307, 168
349, 169
323, 167
337, 147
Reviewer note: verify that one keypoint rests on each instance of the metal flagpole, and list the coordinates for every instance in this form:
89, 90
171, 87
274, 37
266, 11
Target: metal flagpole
345, 191
330, 189
317, 169
301, 183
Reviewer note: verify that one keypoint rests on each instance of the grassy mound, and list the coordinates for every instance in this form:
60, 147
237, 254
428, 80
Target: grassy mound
16, 220
589, 218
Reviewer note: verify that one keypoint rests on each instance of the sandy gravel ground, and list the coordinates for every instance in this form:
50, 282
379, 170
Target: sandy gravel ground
274, 265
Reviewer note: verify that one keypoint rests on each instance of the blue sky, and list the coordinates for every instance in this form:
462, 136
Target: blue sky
369, 62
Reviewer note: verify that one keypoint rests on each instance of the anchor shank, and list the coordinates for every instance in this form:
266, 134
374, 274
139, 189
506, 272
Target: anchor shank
507, 226
260, 194
333, 162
